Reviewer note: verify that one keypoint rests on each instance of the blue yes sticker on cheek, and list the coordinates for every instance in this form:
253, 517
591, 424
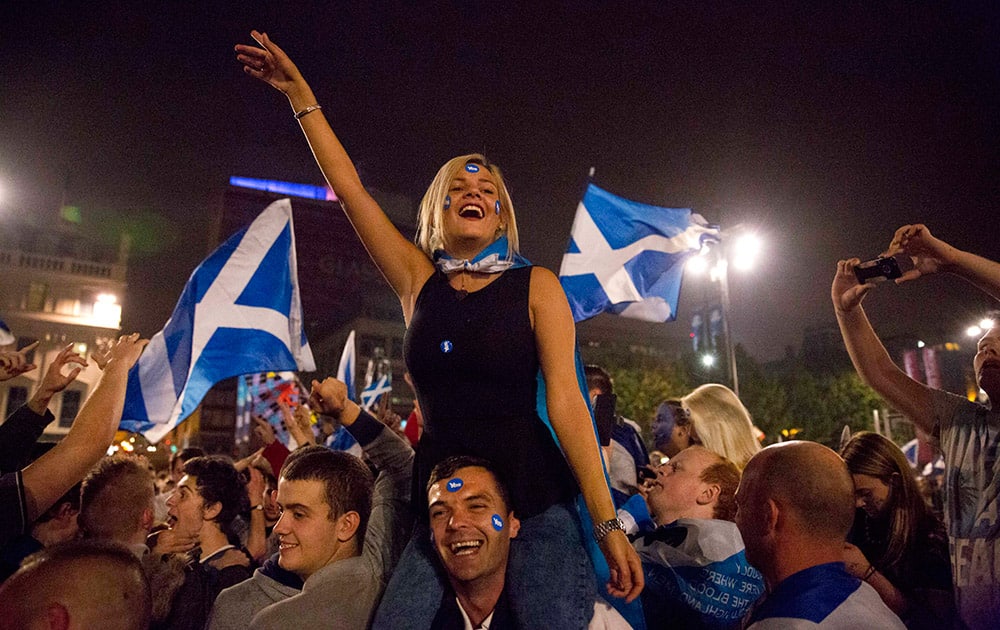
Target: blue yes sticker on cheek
454, 485
497, 206
472, 168
497, 522
447, 202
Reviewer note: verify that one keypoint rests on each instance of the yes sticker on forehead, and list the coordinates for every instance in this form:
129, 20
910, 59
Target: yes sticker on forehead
472, 168
455, 484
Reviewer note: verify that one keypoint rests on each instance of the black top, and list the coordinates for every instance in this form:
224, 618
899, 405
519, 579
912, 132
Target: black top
923, 574
474, 365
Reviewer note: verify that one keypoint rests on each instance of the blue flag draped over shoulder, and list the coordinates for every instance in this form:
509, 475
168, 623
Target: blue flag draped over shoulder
240, 313
627, 258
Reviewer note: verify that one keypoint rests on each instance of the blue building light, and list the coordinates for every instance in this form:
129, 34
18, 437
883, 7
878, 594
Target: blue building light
307, 191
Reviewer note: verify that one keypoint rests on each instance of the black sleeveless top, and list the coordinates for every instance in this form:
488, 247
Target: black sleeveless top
474, 365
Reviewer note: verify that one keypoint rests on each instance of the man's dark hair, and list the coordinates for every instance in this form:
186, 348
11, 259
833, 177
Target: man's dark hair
727, 475
446, 469
347, 480
218, 482
185, 454
599, 379
113, 497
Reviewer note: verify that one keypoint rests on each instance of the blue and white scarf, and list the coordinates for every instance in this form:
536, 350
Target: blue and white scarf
493, 259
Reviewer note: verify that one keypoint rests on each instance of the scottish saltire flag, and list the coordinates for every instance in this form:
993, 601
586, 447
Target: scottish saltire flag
240, 313
627, 258
345, 371
697, 574
374, 392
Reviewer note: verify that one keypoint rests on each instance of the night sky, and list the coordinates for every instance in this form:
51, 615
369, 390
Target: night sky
823, 128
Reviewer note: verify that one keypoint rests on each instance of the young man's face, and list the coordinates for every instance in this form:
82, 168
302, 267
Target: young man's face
678, 487
186, 507
272, 512
307, 531
470, 524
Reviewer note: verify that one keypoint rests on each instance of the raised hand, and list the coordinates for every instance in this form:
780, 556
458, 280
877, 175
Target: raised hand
300, 426
126, 350
263, 430
16, 363
255, 487
846, 291
328, 397
269, 63
928, 253
54, 380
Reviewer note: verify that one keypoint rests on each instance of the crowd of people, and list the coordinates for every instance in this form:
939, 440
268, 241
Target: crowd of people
526, 501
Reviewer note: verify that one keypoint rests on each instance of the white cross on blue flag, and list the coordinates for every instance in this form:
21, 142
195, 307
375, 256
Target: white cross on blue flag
374, 392
240, 313
627, 258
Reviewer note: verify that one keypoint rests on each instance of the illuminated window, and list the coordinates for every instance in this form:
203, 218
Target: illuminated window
37, 294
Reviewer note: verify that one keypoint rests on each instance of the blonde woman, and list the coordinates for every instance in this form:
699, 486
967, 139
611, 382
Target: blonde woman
711, 415
481, 323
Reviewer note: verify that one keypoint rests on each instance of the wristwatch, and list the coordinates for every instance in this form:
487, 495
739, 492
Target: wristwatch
601, 530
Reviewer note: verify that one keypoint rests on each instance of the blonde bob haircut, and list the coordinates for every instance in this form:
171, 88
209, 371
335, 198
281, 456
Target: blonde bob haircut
430, 237
721, 423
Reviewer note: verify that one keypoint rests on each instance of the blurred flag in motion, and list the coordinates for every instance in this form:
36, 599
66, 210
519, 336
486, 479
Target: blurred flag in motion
239, 313
345, 371
627, 258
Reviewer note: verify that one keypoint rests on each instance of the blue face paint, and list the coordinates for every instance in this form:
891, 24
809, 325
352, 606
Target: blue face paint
447, 202
454, 485
446, 346
472, 168
497, 206
497, 522
663, 424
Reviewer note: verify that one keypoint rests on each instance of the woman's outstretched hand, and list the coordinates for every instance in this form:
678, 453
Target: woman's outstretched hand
269, 63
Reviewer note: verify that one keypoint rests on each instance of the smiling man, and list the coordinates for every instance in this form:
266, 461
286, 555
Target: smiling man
968, 433
472, 528
339, 532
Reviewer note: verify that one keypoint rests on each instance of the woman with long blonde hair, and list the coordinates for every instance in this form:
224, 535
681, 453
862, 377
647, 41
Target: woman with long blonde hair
481, 324
712, 416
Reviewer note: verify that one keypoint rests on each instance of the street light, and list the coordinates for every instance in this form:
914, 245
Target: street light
743, 247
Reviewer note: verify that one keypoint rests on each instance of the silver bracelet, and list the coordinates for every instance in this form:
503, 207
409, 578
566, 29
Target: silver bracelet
307, 110
601, 530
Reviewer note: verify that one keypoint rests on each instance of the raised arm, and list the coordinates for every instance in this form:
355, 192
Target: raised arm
49, 477
400, 261
932, 255
555, 335
20, 431
869, 356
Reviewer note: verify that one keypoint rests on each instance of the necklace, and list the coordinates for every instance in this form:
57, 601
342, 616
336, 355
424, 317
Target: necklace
461, 293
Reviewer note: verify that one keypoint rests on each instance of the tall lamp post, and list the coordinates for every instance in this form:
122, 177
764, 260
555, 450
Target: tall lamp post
742, 248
